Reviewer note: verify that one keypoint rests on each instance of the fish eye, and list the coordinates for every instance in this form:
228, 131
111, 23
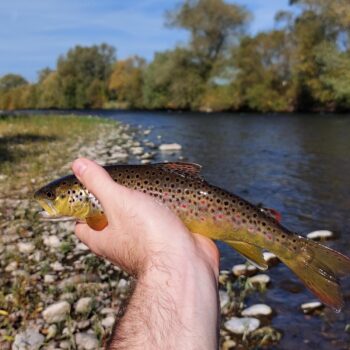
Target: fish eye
49, 194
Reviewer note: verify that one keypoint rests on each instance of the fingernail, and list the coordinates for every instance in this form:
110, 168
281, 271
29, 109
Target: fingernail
79, 167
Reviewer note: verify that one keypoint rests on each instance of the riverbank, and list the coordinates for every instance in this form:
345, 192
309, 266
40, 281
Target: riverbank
53, 291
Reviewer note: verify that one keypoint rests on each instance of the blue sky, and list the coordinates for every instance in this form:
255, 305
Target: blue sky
33, 33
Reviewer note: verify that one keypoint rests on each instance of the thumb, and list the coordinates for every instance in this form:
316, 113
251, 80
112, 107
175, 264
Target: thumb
96, 179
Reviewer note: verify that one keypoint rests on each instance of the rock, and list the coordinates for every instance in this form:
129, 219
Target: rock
108, 322
86, 341
49, 279
320, 234
168, 147
242, 325
107, 310
83, 305
311, 306
57, 266
76, 279
83, 324
57, 312
82, 246
137, 151
12, 266
224, 298
257, 310
70, 297
123, 285
51, 332
30, 339
229, 344
270, 258
261, 280
52, 241
244, 270
65, 344
26, 247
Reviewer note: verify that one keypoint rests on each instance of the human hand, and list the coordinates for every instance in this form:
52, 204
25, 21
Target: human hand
141, 232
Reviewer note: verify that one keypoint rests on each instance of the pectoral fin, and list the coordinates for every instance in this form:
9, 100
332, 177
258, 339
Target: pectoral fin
97, 222
250, 252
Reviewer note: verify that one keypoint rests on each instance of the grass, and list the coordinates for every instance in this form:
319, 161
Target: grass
33, 147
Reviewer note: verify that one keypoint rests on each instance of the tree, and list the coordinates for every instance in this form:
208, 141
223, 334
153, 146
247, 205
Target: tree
173, 80
49, 91
214, 26
79, 69
125, 83
10, 81
263, 72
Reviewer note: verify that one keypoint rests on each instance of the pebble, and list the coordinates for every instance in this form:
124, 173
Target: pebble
51, 332
57, 312
83, 305
244, 270
261, 279
26, 247
49, 279
30, 339
224, 298
52, 241
83, 324
311, 306
86, 341
242, 325
320, 234
12, 266
166, 147
257, 310
123, 285
229, 344
82, 246
57, 266
270, 258
137, 151
108, 322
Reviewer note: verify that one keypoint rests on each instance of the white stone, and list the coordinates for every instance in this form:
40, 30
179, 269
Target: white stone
242, 325
86, 341
224, 298
270, 257
311, 306
107, 310
52, 241
137, 151
12, 266
26, 247
243, 269
167, 147
123, 285
83, 305
320, 234
229, 344
51, 332
30, 339
57, 312
261, 279
49, 279
108, 322
57, 266
257, 310
82, 246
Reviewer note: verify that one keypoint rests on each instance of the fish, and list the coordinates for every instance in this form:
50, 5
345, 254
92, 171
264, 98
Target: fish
213, 212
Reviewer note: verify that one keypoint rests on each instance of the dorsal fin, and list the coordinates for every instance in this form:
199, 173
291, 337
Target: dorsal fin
181, 168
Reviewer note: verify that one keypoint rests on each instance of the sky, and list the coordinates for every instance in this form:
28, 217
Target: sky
34, 33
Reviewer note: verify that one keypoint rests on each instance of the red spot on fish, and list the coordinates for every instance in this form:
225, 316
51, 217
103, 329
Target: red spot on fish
202, 219
269, 236
166, 194
220, 216
184, 206
203, 202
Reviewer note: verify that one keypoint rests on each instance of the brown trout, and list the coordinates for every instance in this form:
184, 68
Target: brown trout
212, 212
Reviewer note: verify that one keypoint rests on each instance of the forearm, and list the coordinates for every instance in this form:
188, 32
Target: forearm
174, 306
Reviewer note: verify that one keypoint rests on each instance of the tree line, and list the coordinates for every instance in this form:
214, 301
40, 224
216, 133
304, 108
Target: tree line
302, 64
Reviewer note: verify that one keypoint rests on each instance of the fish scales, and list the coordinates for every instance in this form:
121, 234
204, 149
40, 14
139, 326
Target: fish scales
213, 212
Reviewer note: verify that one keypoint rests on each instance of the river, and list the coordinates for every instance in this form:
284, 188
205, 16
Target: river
296, 164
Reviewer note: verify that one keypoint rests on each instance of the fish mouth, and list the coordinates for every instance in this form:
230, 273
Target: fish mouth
49, 209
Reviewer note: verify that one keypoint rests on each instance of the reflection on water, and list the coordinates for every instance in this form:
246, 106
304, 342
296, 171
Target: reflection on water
299, 165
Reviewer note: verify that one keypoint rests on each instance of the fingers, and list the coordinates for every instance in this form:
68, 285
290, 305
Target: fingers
96, 179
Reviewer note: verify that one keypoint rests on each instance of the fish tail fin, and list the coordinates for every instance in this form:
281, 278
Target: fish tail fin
319, 267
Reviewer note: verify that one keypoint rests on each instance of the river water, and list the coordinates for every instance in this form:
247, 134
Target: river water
296, 164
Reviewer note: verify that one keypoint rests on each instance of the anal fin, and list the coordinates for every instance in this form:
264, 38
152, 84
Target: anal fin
251, 252
97, 222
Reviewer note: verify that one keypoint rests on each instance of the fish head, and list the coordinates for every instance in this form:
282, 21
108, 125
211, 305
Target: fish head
64, 197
